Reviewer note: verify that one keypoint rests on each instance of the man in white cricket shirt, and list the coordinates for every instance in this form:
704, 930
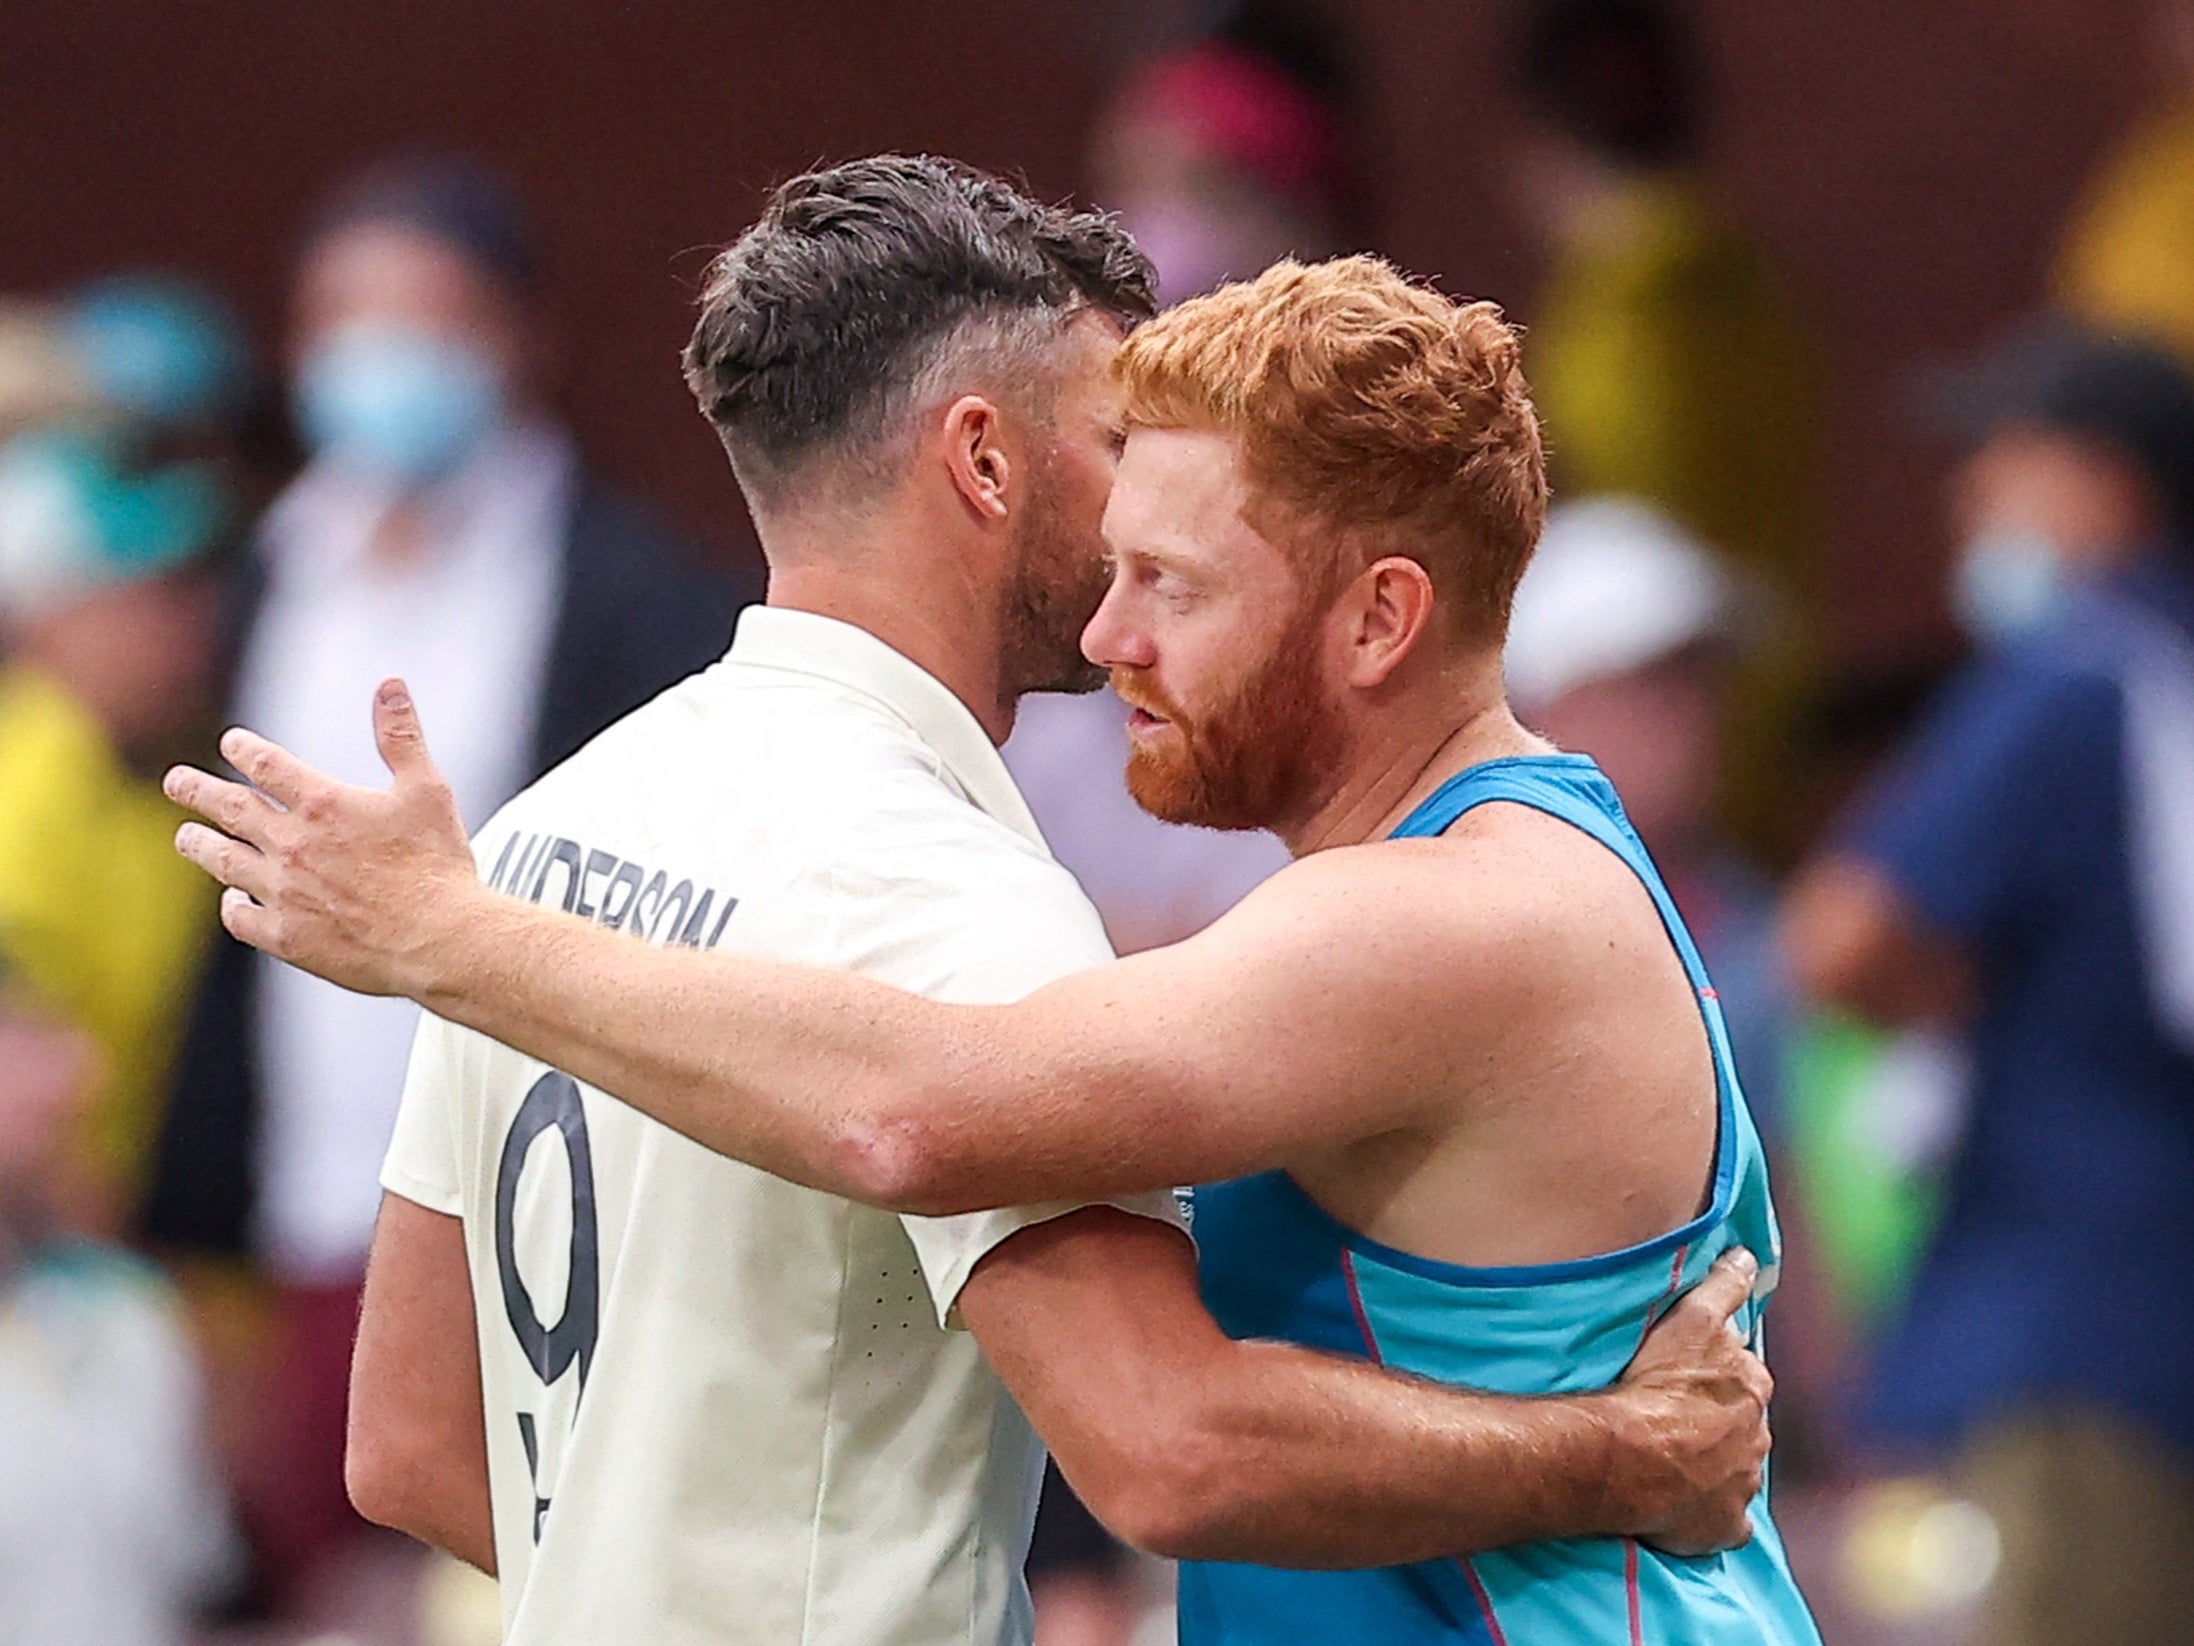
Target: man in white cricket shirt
716, 1406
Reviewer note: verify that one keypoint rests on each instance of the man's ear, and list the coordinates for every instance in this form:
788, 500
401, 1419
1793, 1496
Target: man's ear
1391, 603
975, 457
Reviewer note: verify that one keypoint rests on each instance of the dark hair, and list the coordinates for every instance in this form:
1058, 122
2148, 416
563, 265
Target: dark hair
1617, 75
2129, 395
451, 198
820, 319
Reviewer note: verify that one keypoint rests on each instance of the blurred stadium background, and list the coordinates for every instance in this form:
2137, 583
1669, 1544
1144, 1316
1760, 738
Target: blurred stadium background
1835, 206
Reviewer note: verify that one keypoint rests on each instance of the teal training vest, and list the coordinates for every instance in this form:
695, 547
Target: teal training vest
1274, 1265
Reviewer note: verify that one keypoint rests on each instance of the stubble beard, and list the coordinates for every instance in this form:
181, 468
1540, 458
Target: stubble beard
1058, 579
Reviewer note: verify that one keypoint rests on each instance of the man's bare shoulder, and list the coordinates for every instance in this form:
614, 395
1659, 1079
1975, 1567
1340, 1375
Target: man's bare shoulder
1370, 989
1505, 884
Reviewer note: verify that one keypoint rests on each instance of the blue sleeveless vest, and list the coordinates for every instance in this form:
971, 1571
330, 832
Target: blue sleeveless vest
1275, 1265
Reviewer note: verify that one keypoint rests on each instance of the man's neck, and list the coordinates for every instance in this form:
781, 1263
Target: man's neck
923, 606
1405, 756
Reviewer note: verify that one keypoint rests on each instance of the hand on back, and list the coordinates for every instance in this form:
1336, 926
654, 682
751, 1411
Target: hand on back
1693, 1413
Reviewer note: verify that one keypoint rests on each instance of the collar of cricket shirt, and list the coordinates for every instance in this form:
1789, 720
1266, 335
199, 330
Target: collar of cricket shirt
774, 637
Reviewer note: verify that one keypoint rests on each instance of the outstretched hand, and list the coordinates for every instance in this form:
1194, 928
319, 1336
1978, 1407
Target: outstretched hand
350, 884
1695, 1399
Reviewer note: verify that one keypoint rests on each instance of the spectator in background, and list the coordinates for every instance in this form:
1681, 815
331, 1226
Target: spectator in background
111, 1524
1668, 363
171, 356
2027, 866
1233, 152
2124, 264
444, 530
162, 349
107, 628
1625, 636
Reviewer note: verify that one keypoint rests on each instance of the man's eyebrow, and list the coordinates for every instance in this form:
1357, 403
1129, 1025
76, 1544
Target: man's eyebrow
1165, 552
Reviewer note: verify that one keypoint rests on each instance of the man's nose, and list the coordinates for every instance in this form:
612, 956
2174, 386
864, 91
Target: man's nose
1113, 639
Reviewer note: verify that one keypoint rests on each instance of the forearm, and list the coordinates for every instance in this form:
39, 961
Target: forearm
415, 1456
820, 1077
1307, 1460
1189, 1444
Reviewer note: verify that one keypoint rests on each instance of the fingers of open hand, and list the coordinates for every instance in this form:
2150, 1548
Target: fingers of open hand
268, 765
234, 808
247, 921
398, 734
234, 863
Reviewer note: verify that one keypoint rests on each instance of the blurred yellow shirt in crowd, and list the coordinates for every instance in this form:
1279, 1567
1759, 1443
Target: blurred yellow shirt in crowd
98, 915
1667, 364
2128, 262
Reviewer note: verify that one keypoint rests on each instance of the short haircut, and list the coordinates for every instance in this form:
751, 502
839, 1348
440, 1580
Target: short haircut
823, 326
1369, 408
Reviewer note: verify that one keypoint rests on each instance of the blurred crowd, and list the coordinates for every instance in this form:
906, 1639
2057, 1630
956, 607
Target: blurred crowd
1949, 906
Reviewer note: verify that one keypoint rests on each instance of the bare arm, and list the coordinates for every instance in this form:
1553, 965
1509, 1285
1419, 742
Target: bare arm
417, 1456
1192, 1445
1291, 1025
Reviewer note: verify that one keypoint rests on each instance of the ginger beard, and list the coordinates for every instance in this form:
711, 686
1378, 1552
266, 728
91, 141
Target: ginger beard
1268, 752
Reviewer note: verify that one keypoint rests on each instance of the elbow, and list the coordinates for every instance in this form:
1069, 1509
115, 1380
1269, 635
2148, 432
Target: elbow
376, 1484
902, 1162
1171, 1492
390, 1482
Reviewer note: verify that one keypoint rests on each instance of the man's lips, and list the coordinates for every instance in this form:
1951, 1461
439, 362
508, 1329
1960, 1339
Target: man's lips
1142, 718
1144, 722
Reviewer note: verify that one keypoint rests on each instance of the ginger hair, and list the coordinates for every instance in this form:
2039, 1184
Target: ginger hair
1375, 417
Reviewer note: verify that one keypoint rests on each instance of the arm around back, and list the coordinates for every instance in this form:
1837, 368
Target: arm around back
1190, 1444
416, 1458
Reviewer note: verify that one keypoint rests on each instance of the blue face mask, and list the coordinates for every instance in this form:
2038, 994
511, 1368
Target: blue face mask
402, 405
2007, 583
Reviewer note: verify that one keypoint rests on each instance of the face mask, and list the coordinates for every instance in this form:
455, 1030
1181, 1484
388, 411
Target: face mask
399, 404
2007, 583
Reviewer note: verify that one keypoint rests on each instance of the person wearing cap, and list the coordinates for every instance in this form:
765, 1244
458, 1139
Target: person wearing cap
2026, 869
445, 527
107, 630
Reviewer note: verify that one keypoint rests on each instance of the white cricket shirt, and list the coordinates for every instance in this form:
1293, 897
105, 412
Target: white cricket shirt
720, 1407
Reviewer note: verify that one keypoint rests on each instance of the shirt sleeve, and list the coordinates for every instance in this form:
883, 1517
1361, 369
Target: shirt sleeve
421, 1164
974, 921
1971, 821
